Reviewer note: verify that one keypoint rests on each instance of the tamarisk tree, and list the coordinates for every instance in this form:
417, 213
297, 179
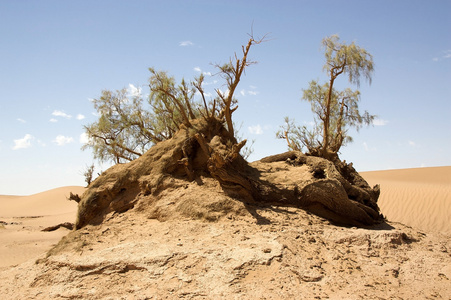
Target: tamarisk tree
124, 130
334, 111
128, 125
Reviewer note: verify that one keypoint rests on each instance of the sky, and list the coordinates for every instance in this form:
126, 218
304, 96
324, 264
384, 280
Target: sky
56, 56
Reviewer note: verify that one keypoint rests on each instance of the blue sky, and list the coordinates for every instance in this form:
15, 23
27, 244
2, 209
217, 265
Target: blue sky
57, 55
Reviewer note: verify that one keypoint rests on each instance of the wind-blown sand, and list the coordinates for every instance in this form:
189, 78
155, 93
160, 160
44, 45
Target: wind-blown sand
419, 197
21, 237
284, 253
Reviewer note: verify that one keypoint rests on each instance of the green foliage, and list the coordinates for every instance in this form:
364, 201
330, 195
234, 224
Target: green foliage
126, 129
343, 114
348, 59
299, 138
334, 111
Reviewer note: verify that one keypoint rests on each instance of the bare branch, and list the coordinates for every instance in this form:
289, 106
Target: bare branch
198, 85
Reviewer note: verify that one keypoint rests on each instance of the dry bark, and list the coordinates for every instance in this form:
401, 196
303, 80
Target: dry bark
66, 225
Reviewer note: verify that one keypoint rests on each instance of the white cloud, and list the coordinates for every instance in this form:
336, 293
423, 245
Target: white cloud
365, 146
251, 92
186, 43
210, 83
368, 148
445, 55
257, 129
206, 94
309, 123
21, 120
80, 117
84, 138
62, 140
223, 93
60, 113
411, 143
23, 143
197, 69
380, 122
134, 91
53, 120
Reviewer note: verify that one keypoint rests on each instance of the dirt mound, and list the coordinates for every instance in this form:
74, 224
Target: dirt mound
334, 191
204, 154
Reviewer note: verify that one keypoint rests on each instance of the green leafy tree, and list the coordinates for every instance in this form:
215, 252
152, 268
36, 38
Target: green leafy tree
126, 128
334, 111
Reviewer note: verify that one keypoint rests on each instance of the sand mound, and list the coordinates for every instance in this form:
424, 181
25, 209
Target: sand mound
23, 218
419, 197
272, 253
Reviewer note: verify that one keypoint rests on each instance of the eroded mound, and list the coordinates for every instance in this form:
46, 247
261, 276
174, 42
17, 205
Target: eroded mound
206, 155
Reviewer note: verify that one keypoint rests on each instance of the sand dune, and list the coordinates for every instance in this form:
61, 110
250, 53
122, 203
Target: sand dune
21, 237
419, 197
50, 202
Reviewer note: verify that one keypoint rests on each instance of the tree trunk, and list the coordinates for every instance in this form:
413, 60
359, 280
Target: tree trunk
339, 131
325, 148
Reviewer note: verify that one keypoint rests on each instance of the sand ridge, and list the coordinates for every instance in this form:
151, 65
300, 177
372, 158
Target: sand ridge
23, 218
418, 197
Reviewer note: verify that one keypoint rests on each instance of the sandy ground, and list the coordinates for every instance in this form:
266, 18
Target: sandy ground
292, 255
419, 197
23, 217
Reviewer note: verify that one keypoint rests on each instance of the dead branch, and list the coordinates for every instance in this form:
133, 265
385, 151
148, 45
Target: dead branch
66, 225
203, 143
74, 197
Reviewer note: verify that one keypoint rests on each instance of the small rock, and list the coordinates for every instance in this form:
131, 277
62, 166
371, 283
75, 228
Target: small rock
311, 277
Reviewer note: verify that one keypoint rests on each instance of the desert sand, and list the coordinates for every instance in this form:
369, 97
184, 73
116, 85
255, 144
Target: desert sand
23, 218
269, 252
418, 197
